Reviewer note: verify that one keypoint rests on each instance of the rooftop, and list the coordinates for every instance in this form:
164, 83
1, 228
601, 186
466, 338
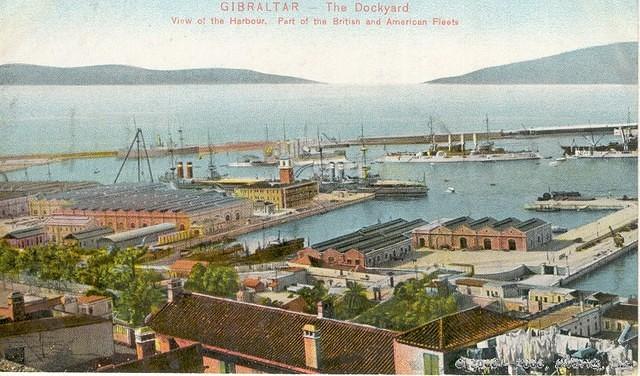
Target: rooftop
275, 335
627, 312
64, 220
142, 231
44, 187
95, 232
186, 265
25, 233
18, 328
557, 316
148, 197
371, 237
470, 282
459, 330
476, 224
92, 299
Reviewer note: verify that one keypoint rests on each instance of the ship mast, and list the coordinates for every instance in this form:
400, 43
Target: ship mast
364, 170
137, 140
213, 174
320, 151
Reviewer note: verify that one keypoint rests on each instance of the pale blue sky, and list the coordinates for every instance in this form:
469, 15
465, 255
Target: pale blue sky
73, 33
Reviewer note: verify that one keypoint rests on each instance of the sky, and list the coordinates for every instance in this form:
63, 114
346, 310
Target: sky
141, 33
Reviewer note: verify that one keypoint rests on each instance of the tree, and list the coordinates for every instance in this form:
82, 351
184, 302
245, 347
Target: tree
353, 302
216, 280
8, 260
312, 296
271, 303
140, 298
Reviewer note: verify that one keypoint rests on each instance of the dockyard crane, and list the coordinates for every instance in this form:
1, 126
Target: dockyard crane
618, 239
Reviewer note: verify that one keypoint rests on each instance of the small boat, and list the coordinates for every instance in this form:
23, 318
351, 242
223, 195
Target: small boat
558, 229
554, 163
492, 184
451, 190
561, 159
96, 171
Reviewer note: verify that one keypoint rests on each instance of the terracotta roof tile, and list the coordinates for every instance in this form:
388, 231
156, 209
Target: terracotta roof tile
186, 265
470, 282
275, 335
459, 330
92, 299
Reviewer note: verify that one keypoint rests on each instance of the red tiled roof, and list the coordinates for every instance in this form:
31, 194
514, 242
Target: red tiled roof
459, 330
275, 335
183, 359
252, 282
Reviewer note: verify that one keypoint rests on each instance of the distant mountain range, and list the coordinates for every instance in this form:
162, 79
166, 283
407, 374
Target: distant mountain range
25, 74
609, 64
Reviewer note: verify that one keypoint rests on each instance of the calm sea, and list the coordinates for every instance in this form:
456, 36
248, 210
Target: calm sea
56, 118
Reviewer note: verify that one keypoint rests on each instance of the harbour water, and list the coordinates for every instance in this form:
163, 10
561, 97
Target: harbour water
39, 119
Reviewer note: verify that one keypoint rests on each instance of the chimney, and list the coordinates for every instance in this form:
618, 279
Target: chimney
145, 342
16, 307
325, 309
189, 172
180, 171
174, 289
245, 296
312, 355
286, 171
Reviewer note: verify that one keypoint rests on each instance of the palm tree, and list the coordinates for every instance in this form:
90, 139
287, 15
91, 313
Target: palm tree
355, 299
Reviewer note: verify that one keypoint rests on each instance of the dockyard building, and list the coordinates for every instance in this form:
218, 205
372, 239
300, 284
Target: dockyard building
15, 196
144, 236
485, 233
369, 246
58, 227
125, 207
286, 193
87, 239
27, 237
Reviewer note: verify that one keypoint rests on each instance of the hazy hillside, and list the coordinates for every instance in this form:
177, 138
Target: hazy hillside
24, 74
610, 64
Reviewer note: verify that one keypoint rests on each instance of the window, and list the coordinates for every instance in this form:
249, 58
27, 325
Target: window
558, 299
512, 245
431, 366
357, 262
15, 355
545, 299
487, 244
463, 243
487, 293
619, 326
237, 216
606, 325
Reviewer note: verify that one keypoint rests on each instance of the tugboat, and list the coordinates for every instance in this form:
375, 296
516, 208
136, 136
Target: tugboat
484, 152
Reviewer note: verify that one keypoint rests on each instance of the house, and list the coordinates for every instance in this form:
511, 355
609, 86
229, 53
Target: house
93, 305
14, 204
541, 298
61, 342
369, 246
254, 283
485, 233
284, 300
433, 348
617, 317
27, 237
575, 319
34, 306
242, 337
87, 239
181, 268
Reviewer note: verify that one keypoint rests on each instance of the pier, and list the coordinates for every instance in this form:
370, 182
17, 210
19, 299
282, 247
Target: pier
601, 203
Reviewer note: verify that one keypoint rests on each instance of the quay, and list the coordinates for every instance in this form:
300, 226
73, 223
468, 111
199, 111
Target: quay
601, 203
562, 255
323, 204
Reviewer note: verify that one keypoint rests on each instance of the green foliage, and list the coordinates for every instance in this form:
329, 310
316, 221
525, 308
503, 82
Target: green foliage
8, 259
140, 298
410, 307
213, 280
51, 262
312, 296
271, 303
353, 302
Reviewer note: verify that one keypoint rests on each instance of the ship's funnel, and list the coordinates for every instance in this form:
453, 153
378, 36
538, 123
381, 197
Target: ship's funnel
180, 170
189, 174
332, 171
462, 141
449, 141
475, 141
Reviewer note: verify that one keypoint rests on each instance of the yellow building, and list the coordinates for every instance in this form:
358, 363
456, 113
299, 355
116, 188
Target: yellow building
44, 208
59, 227
283, 196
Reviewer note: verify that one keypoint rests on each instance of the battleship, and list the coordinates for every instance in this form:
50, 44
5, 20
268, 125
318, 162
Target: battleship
456, 152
